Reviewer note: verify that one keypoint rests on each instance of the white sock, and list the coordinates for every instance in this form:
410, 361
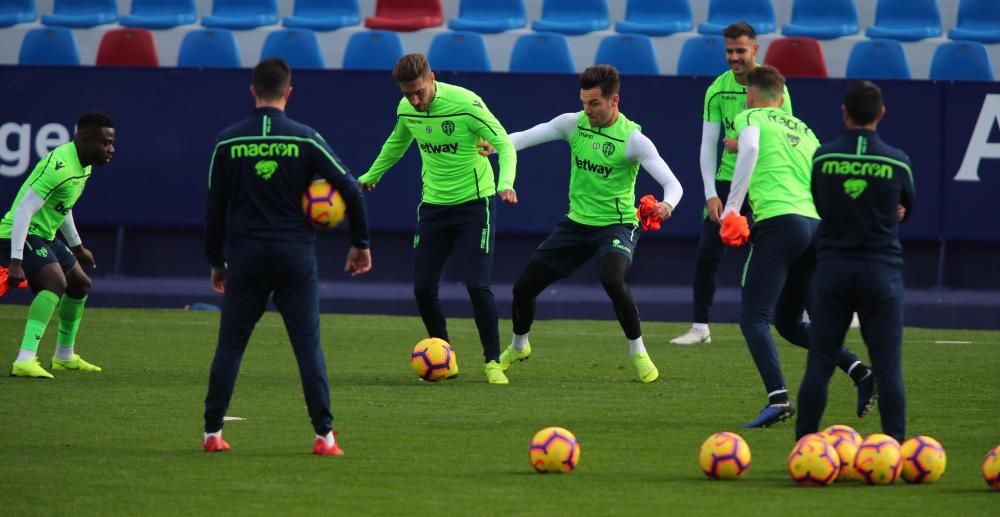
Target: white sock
519, 342
700, 327
329, 439
64, 352
25, 355
207, 435
635, 346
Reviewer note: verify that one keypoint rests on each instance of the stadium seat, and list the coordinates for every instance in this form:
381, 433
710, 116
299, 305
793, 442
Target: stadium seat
298, 47
978, 20
127, 47
961, 61
324, 15
542, 52
405, 15
372, 50
13, 12
723, 13
572, 17
797, 57
54, 46
822, 19
459, 50
209, 48
906, 20
160, 14
703, 55
656, 17
878, 59
242, 14
82, 14
629, 53
489, 16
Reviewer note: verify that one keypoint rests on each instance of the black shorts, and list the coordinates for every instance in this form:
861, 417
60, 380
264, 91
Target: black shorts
572, 244
39, 253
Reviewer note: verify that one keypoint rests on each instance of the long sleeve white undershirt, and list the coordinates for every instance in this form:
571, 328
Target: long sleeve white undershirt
746, 160
638, 148
709, 156
68, 230
30, 203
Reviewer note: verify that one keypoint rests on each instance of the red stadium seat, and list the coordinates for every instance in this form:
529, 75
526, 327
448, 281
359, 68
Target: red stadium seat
797, 57
127, 47
405, 15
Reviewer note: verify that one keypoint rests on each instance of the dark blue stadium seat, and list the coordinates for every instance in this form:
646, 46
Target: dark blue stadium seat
489, 16
703, 55
82, 13
542, 52
13, 12
723, 13
209, 48
49, 46
878, 59
906, 20
324, 15
372, 50
298, 47
160, 14
656, 17
629, 53
242, 14
572, 16
978, 20
459, 50
962, 61
822, 19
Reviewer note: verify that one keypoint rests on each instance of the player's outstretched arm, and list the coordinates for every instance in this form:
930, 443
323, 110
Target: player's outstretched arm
559, 128
640, 148
392, 150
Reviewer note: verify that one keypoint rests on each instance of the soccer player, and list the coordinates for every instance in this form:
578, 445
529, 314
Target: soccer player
606, 151
724, 100
862, 188
28, 244
457, 211
775, 157
260, 244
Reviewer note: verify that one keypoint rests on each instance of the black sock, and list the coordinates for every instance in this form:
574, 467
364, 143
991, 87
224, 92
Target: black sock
778, 398
860, 373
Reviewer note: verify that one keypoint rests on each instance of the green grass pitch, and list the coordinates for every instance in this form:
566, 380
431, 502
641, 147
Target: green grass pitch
127, 441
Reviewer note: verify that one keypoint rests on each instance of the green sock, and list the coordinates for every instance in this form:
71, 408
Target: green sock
39, 313
70, 315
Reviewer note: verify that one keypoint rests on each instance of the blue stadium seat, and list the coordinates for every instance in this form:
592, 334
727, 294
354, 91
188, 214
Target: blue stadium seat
978, 20
49, 46
82, 14
13, 12
489, 16
962, 61
822, 19
542, 52
324, 15
878, 59
703, 55
242, 14
906, 20
629, 53
572, 16
656, 17
459, 50
298, 47
373, 50
209, 48
723, 13
160, 14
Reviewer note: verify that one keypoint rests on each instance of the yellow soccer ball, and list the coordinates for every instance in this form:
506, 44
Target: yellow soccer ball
878, 461
813, 461
433, 360
844, 431
924, 460
724, 456
323, 205
847, 449
555, 450
991, 468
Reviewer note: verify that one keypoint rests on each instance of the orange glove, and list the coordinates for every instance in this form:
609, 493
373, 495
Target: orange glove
4, 287
735, 230
648, 215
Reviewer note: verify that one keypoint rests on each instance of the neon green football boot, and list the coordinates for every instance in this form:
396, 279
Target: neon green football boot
29, 368
511, 354
645, 368
76, 363
494, 373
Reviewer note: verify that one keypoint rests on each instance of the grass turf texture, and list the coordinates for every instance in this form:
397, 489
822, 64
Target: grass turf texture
127, 441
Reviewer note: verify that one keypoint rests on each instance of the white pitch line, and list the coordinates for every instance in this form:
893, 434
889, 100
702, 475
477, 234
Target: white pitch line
943, 342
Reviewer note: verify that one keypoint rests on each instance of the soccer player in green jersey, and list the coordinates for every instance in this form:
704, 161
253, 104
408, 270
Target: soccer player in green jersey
606, 151
775, 167
28, 244
724, 100
457, 210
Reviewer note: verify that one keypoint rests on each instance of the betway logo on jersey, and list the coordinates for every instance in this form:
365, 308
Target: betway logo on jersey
589, 166
430, 148
877, 170
264, 149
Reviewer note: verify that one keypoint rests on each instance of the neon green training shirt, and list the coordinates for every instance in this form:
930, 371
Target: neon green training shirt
602, 180
58, 179
724, 100
780, 183
453, 171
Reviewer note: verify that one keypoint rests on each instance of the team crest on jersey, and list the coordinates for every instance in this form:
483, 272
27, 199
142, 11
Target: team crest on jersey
854, 187
743, 105
448, 127
428, 129
266, 168
793, 139
608, 148
42, 252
